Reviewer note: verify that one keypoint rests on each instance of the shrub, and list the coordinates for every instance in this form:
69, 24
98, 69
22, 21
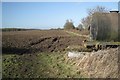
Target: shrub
69, 25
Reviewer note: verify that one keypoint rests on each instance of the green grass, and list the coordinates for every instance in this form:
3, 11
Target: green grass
38, 65
76, 34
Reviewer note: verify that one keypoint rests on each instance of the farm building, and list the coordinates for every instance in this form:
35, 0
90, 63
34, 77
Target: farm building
105, 26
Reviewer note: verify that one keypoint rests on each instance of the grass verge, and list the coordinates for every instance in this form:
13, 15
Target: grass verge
38, 65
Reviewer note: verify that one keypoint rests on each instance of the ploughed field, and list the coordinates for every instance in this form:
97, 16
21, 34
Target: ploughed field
38, 53
50, 54
20, 42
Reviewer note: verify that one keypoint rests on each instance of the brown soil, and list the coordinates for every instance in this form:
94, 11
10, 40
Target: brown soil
38, 41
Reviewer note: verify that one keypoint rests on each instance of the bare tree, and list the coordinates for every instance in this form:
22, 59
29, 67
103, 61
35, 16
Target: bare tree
86, 21
98, 9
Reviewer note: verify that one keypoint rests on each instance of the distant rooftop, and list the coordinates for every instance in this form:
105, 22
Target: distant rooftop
115, 11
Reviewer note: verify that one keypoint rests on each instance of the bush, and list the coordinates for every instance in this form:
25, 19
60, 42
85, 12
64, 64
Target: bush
101, 27
69, 25
80, 27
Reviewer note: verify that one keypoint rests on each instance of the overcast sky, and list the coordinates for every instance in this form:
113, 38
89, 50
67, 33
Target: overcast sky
46, 15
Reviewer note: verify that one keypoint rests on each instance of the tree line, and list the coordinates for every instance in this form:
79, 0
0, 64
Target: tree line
69, 25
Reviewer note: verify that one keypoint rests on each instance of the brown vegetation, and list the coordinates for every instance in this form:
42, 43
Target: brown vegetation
100, 64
